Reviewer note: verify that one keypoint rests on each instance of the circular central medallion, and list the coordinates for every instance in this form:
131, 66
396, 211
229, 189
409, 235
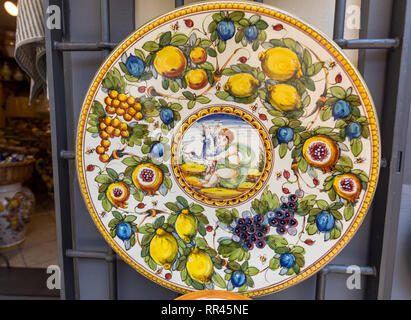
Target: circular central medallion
221, 156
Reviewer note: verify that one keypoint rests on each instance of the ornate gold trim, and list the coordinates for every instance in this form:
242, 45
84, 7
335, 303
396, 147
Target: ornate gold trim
250, 120
284, 18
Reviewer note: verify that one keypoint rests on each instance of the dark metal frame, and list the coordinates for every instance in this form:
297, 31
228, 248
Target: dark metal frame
56, 45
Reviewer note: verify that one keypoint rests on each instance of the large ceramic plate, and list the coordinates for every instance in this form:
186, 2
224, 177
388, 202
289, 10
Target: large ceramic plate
227, 146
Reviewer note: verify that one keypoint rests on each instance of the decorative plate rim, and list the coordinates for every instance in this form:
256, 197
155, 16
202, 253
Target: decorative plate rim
304, 27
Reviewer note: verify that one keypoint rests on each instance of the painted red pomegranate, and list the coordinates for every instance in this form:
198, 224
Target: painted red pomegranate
321, 152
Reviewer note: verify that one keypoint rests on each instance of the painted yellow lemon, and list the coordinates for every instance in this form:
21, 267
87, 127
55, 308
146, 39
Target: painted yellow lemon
245, 186
147, 177
170, 62
200, 266
186, 225
118, 194
192, 168
241, 85
163, 248
280, 64
196, 79
198, 55
321, 152
347, 186
194, 182
284, 97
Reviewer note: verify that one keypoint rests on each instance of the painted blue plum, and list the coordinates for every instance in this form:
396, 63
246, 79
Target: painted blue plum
341, 109
354, 130
251, 33
157, 150
285, 134
325, 221
166, 115
287, 260
135, 65
225, 30
238, 279
124, 231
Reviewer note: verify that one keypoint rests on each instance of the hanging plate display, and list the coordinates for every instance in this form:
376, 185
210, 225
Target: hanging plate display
227, 146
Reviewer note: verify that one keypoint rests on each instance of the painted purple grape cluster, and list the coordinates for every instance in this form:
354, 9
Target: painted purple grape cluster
282, 219
251, 232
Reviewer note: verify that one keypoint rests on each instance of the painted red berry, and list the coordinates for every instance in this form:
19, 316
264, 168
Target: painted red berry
242, 59
168, 276
262, 116
141, 89
278, 27
90, 167
286, 191
309, 242
189, 23
286, 174
338, 78
209, 228
141, 205
316, 182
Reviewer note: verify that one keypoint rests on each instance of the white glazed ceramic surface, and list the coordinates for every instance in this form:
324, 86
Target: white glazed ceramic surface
227, 146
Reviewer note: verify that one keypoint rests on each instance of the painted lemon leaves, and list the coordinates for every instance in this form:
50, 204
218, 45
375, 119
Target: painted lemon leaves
343, 105
181, 61
249, 30
173, 244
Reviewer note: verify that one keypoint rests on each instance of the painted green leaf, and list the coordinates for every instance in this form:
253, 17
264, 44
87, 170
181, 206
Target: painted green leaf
106, 204
356, 147
274, 264
151, 46
218, 281
338, 92
348, 213
179, 39
103, 178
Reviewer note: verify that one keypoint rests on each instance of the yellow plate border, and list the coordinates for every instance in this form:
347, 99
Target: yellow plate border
286, 18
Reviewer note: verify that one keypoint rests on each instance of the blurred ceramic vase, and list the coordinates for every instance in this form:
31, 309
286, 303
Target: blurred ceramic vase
6, 72
16, 203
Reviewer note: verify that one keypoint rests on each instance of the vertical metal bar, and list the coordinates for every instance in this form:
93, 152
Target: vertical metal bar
339, 19
395, 116
56, 86
112, 263
178, 3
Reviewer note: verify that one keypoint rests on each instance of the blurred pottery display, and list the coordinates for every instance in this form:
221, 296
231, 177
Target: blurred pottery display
228, 146
6, 72
16, 203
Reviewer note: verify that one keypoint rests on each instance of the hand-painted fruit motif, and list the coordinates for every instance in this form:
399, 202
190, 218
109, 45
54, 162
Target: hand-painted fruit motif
118, 194
251, 33
354, 130
284, 97
321, 152
347, 186
341, 109
241, 85
324, 221
225, 30
170, 62
238, 279
280, 64
200, 266
148, 177
157, 150
135, 65
163, 248
123, 231
198, 55
285, 134
186, 225
196, 79
287, 260
166, 115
